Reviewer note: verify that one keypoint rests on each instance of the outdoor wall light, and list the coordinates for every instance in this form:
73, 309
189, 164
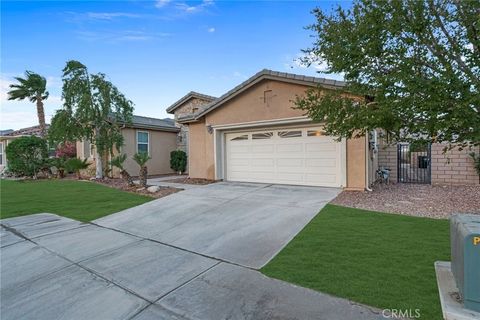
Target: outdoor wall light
209, 128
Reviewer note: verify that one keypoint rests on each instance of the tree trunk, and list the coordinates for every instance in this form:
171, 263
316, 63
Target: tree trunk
41, 116
127, 177
98, 161
143, 176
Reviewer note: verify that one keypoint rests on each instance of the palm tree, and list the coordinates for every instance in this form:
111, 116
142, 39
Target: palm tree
75, 165
34, 88
118, 162
141, 159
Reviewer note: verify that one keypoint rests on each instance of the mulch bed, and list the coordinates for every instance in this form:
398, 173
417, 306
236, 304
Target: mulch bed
121, 185
187, 180
416, 200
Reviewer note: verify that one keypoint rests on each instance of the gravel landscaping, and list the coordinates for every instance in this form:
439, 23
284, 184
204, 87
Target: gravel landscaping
121, 185
415, 200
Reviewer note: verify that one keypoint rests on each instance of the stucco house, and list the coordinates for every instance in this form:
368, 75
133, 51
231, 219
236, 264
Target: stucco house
253, 133
157, 137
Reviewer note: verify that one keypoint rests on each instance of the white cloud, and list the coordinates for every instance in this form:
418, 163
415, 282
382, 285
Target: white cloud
211, 30
119, 36
111, 15
183, 6
161, 3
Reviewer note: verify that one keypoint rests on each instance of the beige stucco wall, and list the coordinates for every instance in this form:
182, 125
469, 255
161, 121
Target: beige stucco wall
250, 106
161, 143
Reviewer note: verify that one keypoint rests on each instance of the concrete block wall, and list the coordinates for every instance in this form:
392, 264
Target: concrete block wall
387, 158
454, 167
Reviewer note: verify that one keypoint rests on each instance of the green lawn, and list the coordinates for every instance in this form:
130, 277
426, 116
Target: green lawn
80, 200
379, 259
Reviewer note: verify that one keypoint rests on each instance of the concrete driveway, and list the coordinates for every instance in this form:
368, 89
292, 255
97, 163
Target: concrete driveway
242, 223
186, 256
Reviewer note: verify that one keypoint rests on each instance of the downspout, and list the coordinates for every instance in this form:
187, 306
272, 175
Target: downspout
367, 147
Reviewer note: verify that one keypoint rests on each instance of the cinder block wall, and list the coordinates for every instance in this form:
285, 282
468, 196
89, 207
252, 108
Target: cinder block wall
453, 167
387, 158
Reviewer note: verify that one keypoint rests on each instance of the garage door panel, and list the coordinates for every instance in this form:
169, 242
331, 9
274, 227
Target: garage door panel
266, 162
290, 147
271, 158
263, 148
320, 147
321, 163
285, 162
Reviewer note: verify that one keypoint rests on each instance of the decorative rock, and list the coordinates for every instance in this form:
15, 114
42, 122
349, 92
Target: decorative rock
153, 189
140, 189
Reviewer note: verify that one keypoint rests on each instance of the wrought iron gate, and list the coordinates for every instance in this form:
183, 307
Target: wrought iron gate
414, 163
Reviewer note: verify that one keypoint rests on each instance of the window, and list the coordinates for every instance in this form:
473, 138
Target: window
242, 137
142, 142
290, 134
263, 135
1, 153
315, 133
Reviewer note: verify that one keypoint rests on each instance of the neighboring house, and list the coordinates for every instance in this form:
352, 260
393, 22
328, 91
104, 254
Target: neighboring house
157, 137
7, 136
193, 102
252, 133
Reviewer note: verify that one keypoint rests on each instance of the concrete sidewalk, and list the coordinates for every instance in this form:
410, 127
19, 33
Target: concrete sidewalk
56, 268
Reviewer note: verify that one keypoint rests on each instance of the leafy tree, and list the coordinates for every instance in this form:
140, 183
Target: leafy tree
417, 63
93, 109
178, 161
25, 155
118, 162
75, 165
34, 88
141, 159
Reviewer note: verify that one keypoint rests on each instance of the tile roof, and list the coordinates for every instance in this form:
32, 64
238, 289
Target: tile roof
29, 131
264, 74
188, 96
165, 124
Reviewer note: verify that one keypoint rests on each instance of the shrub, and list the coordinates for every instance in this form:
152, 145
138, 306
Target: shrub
75, 165
66, 150
178, 161
141, 159
26, 155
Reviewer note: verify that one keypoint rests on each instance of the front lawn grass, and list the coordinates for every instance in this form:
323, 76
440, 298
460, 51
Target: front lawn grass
80, 200
382, 260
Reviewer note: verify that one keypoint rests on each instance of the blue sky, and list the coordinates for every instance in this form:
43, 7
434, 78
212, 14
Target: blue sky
153, 51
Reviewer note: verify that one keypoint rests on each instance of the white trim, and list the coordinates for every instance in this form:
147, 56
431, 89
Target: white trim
343, 159
148, 142
274, 122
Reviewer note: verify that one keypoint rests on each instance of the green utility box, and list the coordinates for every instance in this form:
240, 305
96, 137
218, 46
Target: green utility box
465, 246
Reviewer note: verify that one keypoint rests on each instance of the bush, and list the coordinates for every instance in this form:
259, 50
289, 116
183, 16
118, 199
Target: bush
75, 165
66, 150
25, 155
178, 161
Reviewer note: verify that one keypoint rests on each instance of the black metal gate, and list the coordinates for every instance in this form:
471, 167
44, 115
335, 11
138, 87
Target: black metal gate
413, 163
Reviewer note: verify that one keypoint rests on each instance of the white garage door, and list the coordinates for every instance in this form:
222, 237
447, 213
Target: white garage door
300, 156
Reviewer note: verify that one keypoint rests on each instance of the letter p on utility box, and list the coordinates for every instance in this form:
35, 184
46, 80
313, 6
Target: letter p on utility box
465, 246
